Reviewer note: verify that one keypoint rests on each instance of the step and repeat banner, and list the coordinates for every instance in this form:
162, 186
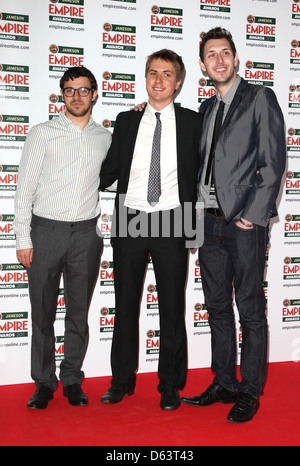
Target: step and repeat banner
38, 42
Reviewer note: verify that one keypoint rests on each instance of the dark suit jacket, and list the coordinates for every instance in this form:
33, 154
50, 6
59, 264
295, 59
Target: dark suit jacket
117, 165
250, 155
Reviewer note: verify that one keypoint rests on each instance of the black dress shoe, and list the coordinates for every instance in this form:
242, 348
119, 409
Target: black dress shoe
75, 395
244, 409
215, 393
116, 394
170, 399
41, 398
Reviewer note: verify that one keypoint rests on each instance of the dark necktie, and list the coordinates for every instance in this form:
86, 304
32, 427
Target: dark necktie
154, 183
217, 130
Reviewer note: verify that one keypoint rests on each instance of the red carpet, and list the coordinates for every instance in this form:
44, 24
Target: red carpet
138, 420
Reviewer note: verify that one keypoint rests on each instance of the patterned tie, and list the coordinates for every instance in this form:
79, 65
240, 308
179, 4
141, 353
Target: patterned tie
154, 183
217, 130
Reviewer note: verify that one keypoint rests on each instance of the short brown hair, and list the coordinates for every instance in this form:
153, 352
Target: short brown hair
217, 33
168, 55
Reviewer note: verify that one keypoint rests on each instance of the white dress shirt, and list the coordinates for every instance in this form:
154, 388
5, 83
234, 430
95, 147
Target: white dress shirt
59, 174
136, 197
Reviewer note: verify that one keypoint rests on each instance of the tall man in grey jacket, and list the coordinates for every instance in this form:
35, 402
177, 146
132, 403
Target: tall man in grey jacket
243, 160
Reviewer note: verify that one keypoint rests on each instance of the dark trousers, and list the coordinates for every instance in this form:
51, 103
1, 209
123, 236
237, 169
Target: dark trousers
234, 259
72, 250
169, 257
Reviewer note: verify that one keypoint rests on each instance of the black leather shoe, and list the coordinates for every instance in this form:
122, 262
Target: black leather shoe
244, 409
170, 399
41, 398
75, 395
116, 394
215, 393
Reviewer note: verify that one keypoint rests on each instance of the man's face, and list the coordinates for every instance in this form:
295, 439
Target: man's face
219, 62
78, 106
161, 83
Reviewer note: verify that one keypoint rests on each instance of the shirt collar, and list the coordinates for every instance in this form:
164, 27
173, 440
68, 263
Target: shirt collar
228, 98
165, 113
66, 121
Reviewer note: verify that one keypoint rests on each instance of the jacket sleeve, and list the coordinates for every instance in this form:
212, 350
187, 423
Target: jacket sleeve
110, 168
270, 157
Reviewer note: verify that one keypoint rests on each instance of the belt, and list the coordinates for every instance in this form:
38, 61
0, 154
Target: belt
214, 212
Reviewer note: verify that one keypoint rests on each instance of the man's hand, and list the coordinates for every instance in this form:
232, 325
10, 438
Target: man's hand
244, 224
140, 107
25, 256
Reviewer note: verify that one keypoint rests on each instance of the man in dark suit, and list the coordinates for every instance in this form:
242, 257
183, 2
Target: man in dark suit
155, 158
239, 183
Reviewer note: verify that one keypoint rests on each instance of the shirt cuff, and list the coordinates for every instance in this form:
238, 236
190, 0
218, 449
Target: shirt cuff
23, 243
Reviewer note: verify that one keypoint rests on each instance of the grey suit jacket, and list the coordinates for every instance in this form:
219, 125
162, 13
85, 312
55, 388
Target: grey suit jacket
250, 156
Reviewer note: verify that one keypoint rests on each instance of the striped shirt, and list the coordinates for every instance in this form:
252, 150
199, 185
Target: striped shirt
59, 174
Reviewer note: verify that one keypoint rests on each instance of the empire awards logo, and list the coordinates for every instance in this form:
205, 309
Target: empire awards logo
63, 57
13, 325
14, 27
119, 38
107, 319
261, 29
14, 78
118, 85
217, 6
291, 310
152, 342
260, 73
66, 11
166, 20
293, 140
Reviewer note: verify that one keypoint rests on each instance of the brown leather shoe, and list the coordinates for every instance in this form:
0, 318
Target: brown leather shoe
215, 393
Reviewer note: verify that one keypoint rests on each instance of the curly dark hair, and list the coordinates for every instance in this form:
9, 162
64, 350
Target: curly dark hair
78, 72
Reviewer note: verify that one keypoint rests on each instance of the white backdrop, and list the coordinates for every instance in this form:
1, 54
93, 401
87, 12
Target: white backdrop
38, 41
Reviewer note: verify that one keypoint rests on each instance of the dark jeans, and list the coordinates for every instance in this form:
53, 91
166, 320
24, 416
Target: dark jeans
232, 262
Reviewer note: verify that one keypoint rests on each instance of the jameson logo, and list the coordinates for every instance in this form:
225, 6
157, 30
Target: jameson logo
66, 11
292, 226
206, 90
8, 177
291, 310
260, 73
296, 10
291, 268
13, 276
14, 78
295, 52
107, 319
61, 58
292, 183
117, 37
152, 298
166, 20
13, 324
294, 96
118, 85
222, 6
6, 227
13, 127
293, 140
14, 27
200, 315
152, 342
261, 29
